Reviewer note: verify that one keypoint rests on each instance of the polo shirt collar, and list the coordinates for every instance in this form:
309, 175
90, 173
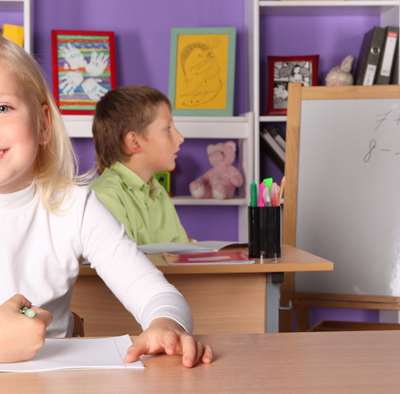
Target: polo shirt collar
134, 182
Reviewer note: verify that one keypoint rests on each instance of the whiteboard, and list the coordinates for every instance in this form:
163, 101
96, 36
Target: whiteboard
348, 197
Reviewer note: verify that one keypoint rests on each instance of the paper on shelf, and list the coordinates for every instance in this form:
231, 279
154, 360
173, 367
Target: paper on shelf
191, 247
77, 353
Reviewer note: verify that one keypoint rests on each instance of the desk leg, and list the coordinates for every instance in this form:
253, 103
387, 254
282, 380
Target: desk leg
273, 295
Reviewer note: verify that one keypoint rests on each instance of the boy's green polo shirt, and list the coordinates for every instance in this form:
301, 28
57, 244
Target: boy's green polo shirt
145, 209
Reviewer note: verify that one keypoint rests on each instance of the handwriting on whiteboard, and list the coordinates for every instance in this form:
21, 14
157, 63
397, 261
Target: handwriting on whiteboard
386, 138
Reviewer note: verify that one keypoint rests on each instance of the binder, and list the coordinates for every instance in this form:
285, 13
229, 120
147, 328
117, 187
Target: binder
273, 144
387, 57
394, 78
277, 137
369, 57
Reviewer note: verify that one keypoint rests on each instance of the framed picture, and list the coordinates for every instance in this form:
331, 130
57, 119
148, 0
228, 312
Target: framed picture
202, 69
285, 69
83, 68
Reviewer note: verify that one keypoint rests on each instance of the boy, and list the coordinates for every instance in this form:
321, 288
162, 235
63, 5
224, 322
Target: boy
135, 137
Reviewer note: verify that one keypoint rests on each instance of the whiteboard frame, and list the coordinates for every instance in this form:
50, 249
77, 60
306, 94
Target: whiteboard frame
298, 94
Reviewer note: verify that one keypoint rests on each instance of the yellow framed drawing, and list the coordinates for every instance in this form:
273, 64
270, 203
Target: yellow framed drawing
202, 69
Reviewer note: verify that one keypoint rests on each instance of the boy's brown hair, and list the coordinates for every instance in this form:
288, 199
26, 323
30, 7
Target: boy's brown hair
130, 108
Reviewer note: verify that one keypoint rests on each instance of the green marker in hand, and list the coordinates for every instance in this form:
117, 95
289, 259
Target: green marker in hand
28, 312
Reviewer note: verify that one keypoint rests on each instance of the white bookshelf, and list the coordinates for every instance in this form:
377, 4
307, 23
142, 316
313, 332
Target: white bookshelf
272, 118
24, 7
239, 128
236, 127
389, 14
187, 200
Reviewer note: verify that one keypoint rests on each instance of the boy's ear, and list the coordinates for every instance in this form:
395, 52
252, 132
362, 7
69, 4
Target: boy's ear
131, 143
45, 134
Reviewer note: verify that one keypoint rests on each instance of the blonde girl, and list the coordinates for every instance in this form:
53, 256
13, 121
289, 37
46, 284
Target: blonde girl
48, 222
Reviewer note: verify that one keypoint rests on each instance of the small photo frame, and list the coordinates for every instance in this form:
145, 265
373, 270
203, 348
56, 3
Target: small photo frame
285, 69
83, 68
202, 70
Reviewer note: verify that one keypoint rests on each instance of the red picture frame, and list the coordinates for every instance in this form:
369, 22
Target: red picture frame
83, 68
285, 69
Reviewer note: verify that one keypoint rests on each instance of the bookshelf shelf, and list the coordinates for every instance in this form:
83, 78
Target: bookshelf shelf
328, 3
187, 200
236, 127
272, 119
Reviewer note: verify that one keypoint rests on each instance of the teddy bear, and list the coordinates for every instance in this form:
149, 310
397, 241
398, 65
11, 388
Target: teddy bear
341, 75
221, 181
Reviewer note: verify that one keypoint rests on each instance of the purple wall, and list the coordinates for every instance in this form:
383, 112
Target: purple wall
11, 16
143, 40
356, 315
143, 33
319, 31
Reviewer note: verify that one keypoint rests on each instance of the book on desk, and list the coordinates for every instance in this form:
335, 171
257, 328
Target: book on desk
189, 247
205, 258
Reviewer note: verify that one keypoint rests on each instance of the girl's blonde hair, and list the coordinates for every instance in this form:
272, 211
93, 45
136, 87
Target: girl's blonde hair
55, 166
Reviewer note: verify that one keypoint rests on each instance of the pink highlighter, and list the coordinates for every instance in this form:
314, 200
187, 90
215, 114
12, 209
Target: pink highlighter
261, 190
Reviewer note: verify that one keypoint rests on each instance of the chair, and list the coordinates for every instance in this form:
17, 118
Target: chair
78, 330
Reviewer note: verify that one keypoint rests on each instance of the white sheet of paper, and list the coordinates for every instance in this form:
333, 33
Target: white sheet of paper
192, 247
77, 353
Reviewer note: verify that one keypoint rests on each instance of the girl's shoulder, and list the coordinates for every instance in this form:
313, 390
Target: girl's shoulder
75, 198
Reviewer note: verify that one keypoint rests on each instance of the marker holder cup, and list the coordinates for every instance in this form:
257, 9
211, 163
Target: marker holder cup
254, 232
265, 232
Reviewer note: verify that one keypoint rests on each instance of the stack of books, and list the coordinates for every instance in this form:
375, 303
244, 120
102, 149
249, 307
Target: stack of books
378, 62
276, 144
221, 257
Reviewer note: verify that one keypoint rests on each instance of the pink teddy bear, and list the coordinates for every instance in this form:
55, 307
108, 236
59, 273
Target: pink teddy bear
223, 178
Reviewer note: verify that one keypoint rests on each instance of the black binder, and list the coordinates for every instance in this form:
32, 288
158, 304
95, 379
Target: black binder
273, 146
388, 55
370, 52
394, 78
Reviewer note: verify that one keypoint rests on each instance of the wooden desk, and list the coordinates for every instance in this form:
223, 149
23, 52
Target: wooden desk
224, 298
301, 363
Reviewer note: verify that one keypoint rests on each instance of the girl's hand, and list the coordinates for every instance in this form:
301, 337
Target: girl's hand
166, 336
20, 336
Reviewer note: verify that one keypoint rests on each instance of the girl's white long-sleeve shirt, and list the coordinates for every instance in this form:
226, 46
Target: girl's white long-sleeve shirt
39, 253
